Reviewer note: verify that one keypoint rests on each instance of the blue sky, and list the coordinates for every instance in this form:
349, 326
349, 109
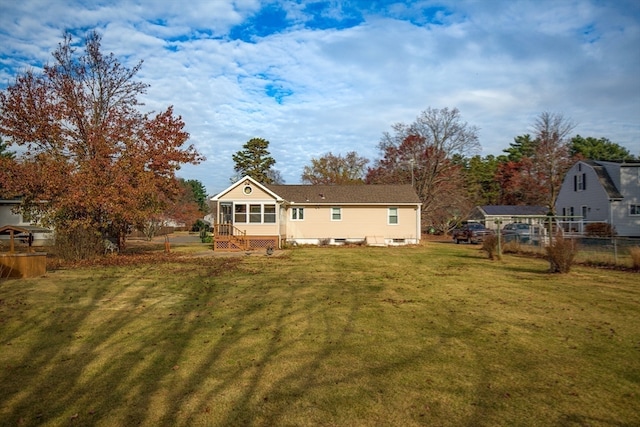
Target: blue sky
314, 77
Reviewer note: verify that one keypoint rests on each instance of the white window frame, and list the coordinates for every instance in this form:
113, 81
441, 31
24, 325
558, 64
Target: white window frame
271, 215
297, 214
247, 213
257, 214
584, 210
237, 213
634, 209
335, 210
395, 215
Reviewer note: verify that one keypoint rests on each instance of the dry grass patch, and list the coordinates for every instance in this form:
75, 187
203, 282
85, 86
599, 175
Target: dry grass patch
635, 257
431, 335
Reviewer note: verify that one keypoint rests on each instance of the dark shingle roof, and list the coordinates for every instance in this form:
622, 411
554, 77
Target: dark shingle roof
605, 180
506, 210
346, 194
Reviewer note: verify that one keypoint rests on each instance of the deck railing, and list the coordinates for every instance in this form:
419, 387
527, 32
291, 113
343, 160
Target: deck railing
227, 238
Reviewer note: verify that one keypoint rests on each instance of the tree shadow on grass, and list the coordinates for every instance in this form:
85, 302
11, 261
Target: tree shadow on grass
200, 342
88, 354
260, 349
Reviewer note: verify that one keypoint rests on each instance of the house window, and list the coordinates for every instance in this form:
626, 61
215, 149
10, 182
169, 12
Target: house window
393, 215
336, 214
580, 182
571, 211
240, 213
585, 209
297, 214
270, 214
255, 213
634, 210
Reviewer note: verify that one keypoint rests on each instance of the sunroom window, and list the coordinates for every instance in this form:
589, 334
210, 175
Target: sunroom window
240, 213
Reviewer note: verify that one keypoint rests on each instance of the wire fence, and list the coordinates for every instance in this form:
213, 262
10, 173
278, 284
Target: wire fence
593, 250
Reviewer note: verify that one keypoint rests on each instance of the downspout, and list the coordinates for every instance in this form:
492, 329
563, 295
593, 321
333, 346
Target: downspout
419, 222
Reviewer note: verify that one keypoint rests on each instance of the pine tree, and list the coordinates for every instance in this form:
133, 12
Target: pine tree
255, 161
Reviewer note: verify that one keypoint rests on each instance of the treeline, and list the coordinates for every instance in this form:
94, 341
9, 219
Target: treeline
437, 155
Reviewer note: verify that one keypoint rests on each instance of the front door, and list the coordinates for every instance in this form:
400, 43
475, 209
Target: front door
226, 218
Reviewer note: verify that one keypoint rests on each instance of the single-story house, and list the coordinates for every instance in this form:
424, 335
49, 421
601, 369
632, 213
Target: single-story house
496, 216
251, 215
599, 191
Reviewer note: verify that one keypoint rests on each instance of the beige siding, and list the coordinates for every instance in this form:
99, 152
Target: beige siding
362, 220
237, 195
356, 223
257, 196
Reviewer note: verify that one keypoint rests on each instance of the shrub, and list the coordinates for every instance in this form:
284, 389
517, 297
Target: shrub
635, 257
78, 243
511, 247
324, 242
205, 236
490, 246
599, 229
562, 252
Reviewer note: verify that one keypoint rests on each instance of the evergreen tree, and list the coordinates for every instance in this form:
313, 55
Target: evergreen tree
598, 149
255, 161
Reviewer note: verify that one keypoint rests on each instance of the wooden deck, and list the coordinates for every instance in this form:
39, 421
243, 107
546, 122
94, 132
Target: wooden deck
227, 238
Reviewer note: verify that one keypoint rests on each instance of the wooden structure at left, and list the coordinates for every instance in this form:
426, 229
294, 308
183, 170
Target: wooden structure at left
228, 238
22, 264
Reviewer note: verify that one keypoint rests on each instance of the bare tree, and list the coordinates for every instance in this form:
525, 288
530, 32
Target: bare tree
422, 153
335, 170
552, 154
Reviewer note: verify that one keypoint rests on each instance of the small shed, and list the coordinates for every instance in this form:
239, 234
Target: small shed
22, 264
505, 214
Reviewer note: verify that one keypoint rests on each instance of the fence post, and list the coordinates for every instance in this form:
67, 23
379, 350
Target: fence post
550, 216
498, 221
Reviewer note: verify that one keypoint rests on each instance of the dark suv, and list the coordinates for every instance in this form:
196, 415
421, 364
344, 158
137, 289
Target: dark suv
472, 232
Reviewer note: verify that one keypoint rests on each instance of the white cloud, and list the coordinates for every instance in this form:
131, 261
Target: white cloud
314, 90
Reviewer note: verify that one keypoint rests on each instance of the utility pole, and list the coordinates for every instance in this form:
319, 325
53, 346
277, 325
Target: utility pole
411, 162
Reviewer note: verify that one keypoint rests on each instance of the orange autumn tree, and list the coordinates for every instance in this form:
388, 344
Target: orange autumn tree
92, 164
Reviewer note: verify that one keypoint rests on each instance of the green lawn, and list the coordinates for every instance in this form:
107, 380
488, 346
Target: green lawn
430, 335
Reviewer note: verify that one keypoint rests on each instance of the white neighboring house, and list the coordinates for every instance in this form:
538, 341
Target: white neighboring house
599, 191
9, 215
